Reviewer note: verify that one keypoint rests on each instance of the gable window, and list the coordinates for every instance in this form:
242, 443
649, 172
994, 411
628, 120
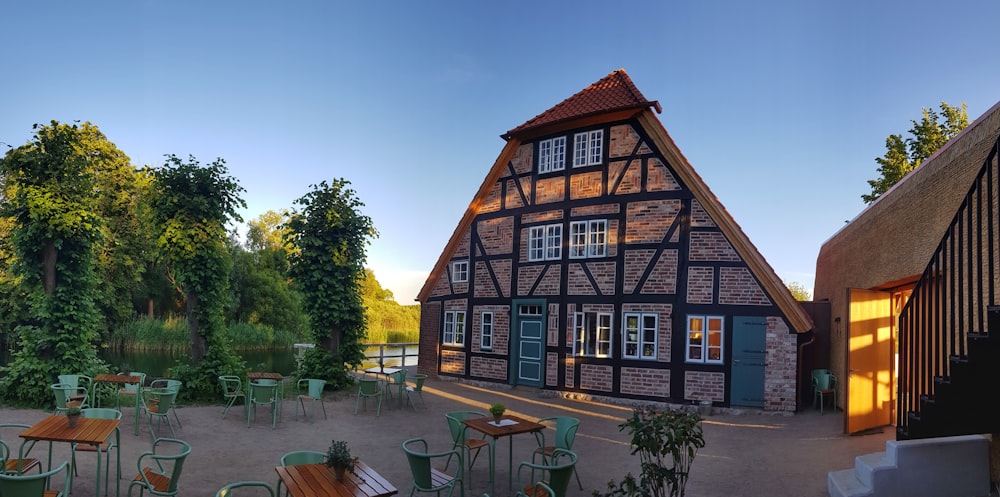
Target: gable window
545, 242
592, 334
588, 239
704, 339
639, 336
454, 328
486, 337
460, 271
588, 148
552, 155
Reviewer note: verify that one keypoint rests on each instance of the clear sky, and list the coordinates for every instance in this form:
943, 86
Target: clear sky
780, 106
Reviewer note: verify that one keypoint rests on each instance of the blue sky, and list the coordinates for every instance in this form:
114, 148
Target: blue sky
780, 106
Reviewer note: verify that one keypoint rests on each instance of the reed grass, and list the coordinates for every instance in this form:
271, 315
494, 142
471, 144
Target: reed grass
171, 335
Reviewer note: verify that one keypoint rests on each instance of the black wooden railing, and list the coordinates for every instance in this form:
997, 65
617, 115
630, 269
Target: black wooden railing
948, 305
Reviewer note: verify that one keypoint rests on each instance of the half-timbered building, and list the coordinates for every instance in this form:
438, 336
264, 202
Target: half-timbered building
594, 260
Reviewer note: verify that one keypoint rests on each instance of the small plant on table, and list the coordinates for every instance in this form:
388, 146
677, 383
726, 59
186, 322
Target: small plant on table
497, 411
339, 457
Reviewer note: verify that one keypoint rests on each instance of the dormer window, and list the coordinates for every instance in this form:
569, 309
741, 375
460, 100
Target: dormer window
552, 155
588, 148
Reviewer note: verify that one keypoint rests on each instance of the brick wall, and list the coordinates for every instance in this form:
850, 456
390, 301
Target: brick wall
623, 139
570, 372
550, 281
492, 201
780, 384
550, 190
501, 329
488, 367
711, 246
704, 385
586, 185
659, 178
738, 287
453, 362
522, 160
515, 197
577, 282
700, 218
645, 381
647, 222
596, 377
496, 235
628, 176
430, 326
551, 369
662, 279
699, 284
484, 283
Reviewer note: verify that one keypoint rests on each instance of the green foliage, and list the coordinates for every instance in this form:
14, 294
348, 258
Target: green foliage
322, 364
261, 294
667, 442
799, 292
328, 238
903, 156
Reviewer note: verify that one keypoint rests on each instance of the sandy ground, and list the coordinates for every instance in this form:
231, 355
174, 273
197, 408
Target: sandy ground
746, 454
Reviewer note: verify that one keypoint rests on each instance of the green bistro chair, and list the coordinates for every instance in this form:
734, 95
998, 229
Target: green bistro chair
425, 477
227, 491
310, 389
555, 474
297, 457
263, 392
10, 464
397, 381
565, 428
34, 485
416, 388
80, 381
461, 441
369, 387
167, 455
106, 447
63, 394
824, 383
157, 402
232, 390
130, 390
174, 385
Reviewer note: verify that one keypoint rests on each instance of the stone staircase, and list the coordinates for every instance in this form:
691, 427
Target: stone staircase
931, 467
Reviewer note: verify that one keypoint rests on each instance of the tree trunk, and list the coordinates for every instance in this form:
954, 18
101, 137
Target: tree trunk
197, 342
149, 308
49, 256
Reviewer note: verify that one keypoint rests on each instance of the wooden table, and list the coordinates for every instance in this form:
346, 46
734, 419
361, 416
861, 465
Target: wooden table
388, 372
260, 375
120, 380
89, 431
511, 425
313, 480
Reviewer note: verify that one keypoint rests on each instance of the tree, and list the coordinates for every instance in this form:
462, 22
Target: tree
192, 207
799, 292
328, 237
49, 192
904, 155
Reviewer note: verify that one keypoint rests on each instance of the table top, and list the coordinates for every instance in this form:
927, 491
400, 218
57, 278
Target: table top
309, 480
92, 431
520, 425
383, 370
257, 375
116, 378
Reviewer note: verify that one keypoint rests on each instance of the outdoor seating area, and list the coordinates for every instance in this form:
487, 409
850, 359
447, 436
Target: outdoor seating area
216, 452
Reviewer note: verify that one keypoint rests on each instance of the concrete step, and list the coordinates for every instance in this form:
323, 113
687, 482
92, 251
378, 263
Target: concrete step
868, 465
845, 483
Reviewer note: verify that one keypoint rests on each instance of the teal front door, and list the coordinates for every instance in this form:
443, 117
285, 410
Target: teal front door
529, 343
746, 382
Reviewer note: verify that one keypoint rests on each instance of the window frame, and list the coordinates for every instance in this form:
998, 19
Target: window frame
452, 326
642, 342
704, 344
602, 321
455, 271
588, 148
545, 242
589, 242
483, 327
552, 155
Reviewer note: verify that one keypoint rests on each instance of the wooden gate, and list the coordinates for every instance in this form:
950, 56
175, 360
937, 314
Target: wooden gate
870, 379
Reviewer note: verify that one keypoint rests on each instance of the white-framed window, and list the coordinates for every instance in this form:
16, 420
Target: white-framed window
545, 242
705, 339
588, 148
592, 334
460, 271
639, 335
454, 328
486, 328
552, 154
588, 239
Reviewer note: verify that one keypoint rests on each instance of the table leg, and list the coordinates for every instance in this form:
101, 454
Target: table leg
138, 392
492, 454
118, 455
97, 485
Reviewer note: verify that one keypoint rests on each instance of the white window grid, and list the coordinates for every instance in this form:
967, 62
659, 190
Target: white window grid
486, 328
460, 271
454, 328
705, 339
545, 242
639, 331
592, 334
588, 239
552, 154
588, 148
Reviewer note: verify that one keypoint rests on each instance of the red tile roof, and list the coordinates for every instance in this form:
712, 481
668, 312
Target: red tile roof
613, 92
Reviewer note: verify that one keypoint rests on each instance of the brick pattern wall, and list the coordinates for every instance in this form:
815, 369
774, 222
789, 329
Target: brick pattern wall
635, 265
663, 279
492, 201
516, 198
501, 328
699, 284
704, 385
645, 381
462, 250
570, 372
551, 369
430, 321
647, 222
593, 210
453, 362
711, 246
659, 178
586, 185
604, 274
780, 381
577, 282
623, 139
484, 284
628, 175
664, 325
441, 286
522, 160
552, 331
550, 281
549, 190
493, 368
738, 287
496, 235
700, 218
545, 217
596, 377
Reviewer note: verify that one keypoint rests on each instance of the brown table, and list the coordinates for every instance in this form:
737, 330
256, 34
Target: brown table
511, 425
120, 380
314, 480
89, 431
388, 372
260, 375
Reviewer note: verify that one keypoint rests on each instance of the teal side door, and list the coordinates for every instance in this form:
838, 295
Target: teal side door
746, 382
529, 344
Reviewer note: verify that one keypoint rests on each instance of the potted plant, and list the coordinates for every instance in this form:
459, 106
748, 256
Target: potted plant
497, 411
338, 457
73, 415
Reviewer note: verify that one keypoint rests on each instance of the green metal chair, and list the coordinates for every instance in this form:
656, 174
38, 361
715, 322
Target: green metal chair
565, 427
10, 464
310, 389
555, 474
63, 394
461, 441
232, 390
227, 491
157, 402
369, 387
80, 381
425, 477
34, 485
130, 390
174, 385
396, 381
297, 457
540, 489
824, 383
416, 388
263, 392
168, 455
106, 447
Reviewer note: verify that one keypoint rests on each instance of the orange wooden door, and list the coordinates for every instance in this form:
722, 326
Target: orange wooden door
869, 361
